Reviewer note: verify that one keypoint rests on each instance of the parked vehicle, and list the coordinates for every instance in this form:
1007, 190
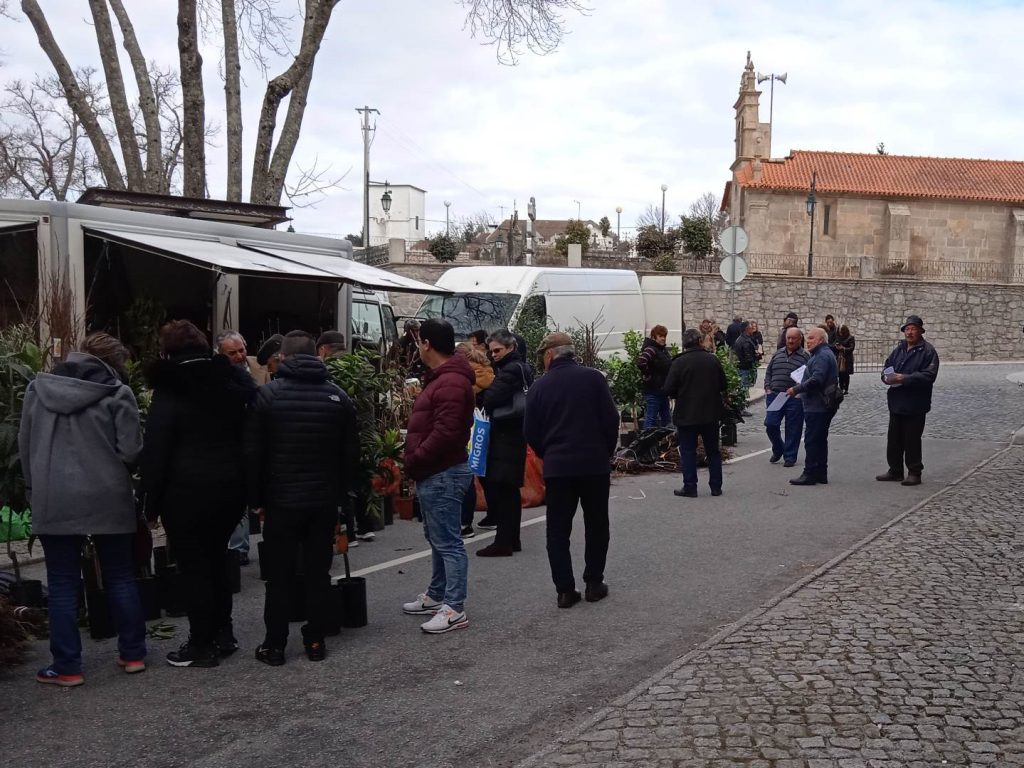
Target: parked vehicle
496, 297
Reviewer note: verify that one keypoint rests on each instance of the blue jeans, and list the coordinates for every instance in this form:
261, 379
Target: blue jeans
709, 435
656, 410
441, 498
239, 540
816, 444
793, 415
748, 377
64, 578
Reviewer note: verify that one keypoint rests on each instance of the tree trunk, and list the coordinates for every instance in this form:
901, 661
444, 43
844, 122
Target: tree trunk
232, 98
116, 94
76, 97
289, 137
193, 101
318, 14
147, 100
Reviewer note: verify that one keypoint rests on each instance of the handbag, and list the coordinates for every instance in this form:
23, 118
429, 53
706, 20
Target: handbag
833, 396
516, 410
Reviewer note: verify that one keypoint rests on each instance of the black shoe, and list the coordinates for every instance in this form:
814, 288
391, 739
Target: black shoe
775, 458
822, 479
493, 550
596, 591
685, 492
912, 479
272, 657
803, 480
889, 477
468, 532
190, 655
789, 463
315, 650
226, 643
517, 547
568, 599
487, 524
716, 491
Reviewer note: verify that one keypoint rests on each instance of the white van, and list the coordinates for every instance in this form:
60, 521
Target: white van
494, 297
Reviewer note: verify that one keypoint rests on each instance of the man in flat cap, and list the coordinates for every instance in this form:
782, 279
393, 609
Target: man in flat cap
269, 354
330, 344
573, 426
910, 372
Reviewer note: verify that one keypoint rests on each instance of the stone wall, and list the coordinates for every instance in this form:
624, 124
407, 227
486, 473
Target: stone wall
964, 322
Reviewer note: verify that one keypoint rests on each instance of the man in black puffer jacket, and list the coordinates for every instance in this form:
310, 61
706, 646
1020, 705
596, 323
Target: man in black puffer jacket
303, 447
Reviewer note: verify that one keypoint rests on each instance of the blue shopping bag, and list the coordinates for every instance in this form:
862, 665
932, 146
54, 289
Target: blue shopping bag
479, 440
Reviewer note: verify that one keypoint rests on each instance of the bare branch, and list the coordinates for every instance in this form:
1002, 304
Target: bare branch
75, 97
312, 185
193, 100
147, 99
514, 25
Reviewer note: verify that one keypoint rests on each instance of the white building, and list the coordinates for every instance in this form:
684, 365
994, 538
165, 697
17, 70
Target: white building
405, 220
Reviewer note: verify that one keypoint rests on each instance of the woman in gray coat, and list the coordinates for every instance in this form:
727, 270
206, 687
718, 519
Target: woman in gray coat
79, 433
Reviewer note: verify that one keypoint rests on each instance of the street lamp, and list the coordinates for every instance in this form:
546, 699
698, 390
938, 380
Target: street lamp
618, 222
499, 243
664, 189
447, 206
812, 203
579, 209
385, 199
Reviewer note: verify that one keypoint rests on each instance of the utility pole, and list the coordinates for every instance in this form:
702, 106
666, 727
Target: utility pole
365, 125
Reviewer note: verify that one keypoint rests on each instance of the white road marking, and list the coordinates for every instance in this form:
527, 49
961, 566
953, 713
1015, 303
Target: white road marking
746, 456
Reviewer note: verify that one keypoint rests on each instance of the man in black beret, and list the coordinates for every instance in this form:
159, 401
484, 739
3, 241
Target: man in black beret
269, 354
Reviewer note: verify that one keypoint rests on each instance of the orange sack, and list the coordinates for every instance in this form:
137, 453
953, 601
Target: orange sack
533, 491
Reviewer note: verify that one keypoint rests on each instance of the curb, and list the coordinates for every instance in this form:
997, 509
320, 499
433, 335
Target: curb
574, 732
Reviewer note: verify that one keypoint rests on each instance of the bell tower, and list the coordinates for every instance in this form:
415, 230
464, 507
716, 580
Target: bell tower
753, 138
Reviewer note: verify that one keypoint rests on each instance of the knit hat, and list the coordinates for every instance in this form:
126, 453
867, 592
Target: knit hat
270, 348
913, 320
791, 316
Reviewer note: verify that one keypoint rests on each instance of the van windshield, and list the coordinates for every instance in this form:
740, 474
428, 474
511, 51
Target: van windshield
468, 312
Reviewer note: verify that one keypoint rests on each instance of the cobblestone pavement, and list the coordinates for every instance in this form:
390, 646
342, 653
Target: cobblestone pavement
971, 402
908, 653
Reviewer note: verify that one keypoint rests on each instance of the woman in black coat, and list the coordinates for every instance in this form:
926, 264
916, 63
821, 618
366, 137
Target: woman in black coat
506, 453
843, 347
194, 480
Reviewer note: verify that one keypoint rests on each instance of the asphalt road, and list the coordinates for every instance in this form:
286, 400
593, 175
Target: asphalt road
492, 694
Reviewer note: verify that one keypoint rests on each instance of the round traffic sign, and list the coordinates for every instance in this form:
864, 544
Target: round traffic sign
733, 269
734, 240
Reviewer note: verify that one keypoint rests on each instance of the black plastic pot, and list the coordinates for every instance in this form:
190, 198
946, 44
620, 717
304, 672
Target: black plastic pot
387, 506
351, 595
149, 596
101, 626
262, 560
27, 592
233, 571
729, 434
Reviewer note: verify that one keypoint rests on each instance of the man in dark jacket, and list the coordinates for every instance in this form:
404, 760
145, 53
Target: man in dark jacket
789, 321
654, 363
778, 377
435, 457
910, 372
302, 445
698, 384
572, 425
746, 355
734, 331
820, 381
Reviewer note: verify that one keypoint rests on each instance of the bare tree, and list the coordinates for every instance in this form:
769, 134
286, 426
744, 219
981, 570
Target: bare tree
708, 207
511, 25
652, 217
193, 100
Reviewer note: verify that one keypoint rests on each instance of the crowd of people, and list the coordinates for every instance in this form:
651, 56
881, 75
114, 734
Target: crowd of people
228, 434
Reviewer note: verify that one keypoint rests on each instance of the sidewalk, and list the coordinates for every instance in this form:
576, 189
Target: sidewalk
905, 652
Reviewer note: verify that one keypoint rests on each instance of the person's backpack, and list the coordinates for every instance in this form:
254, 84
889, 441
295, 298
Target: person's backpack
833, 396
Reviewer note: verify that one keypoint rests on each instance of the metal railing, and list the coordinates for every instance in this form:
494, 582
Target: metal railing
870, 354
953, 271
375, 255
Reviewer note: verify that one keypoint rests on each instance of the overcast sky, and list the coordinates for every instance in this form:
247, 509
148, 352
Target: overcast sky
639, 94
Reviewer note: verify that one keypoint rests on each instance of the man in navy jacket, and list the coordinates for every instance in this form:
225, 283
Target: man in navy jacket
821, 374
915, 366
572, 425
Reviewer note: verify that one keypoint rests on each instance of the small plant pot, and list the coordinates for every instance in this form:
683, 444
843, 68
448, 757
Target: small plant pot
729, 436
149, 596
254, 524
260, 549
27, 592
351, 594
404, 507
387, 506
101, 625
233, 571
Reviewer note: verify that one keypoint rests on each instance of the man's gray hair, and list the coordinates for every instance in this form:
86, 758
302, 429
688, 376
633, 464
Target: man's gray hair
566, 350
503, 337
228, 335
818, 332
798, 330
691, 338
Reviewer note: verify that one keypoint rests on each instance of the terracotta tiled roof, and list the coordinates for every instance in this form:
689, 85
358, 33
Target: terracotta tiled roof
892, 176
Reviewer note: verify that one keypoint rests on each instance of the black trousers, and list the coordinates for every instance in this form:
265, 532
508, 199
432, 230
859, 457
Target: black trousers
564, 494
844, 381
285, 533
904, 443
505, 508
200, 547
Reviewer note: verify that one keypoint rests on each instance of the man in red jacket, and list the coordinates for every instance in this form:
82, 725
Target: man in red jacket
435, 457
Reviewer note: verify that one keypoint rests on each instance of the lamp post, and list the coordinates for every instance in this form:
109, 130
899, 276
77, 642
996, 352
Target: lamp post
664, 189
579, 210
447, 206
385, 203
499, 241
812, 203
618, 222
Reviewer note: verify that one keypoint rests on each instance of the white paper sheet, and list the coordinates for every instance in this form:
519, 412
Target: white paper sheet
778, 403
798, 374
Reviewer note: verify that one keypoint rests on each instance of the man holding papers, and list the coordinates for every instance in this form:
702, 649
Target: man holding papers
820, 374
778, 377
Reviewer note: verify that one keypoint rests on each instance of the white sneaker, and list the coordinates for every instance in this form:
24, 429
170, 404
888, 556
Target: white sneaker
445, 620
421, 606
354, 543
368, 536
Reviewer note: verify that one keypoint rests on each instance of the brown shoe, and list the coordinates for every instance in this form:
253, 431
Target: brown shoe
889, 476
493, 550
912, 480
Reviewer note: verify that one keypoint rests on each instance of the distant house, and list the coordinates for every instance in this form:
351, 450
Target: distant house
547, 232
902, 211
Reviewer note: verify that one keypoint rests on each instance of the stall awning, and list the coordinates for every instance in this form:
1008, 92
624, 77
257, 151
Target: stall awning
14, 227
259, 260
350, 271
